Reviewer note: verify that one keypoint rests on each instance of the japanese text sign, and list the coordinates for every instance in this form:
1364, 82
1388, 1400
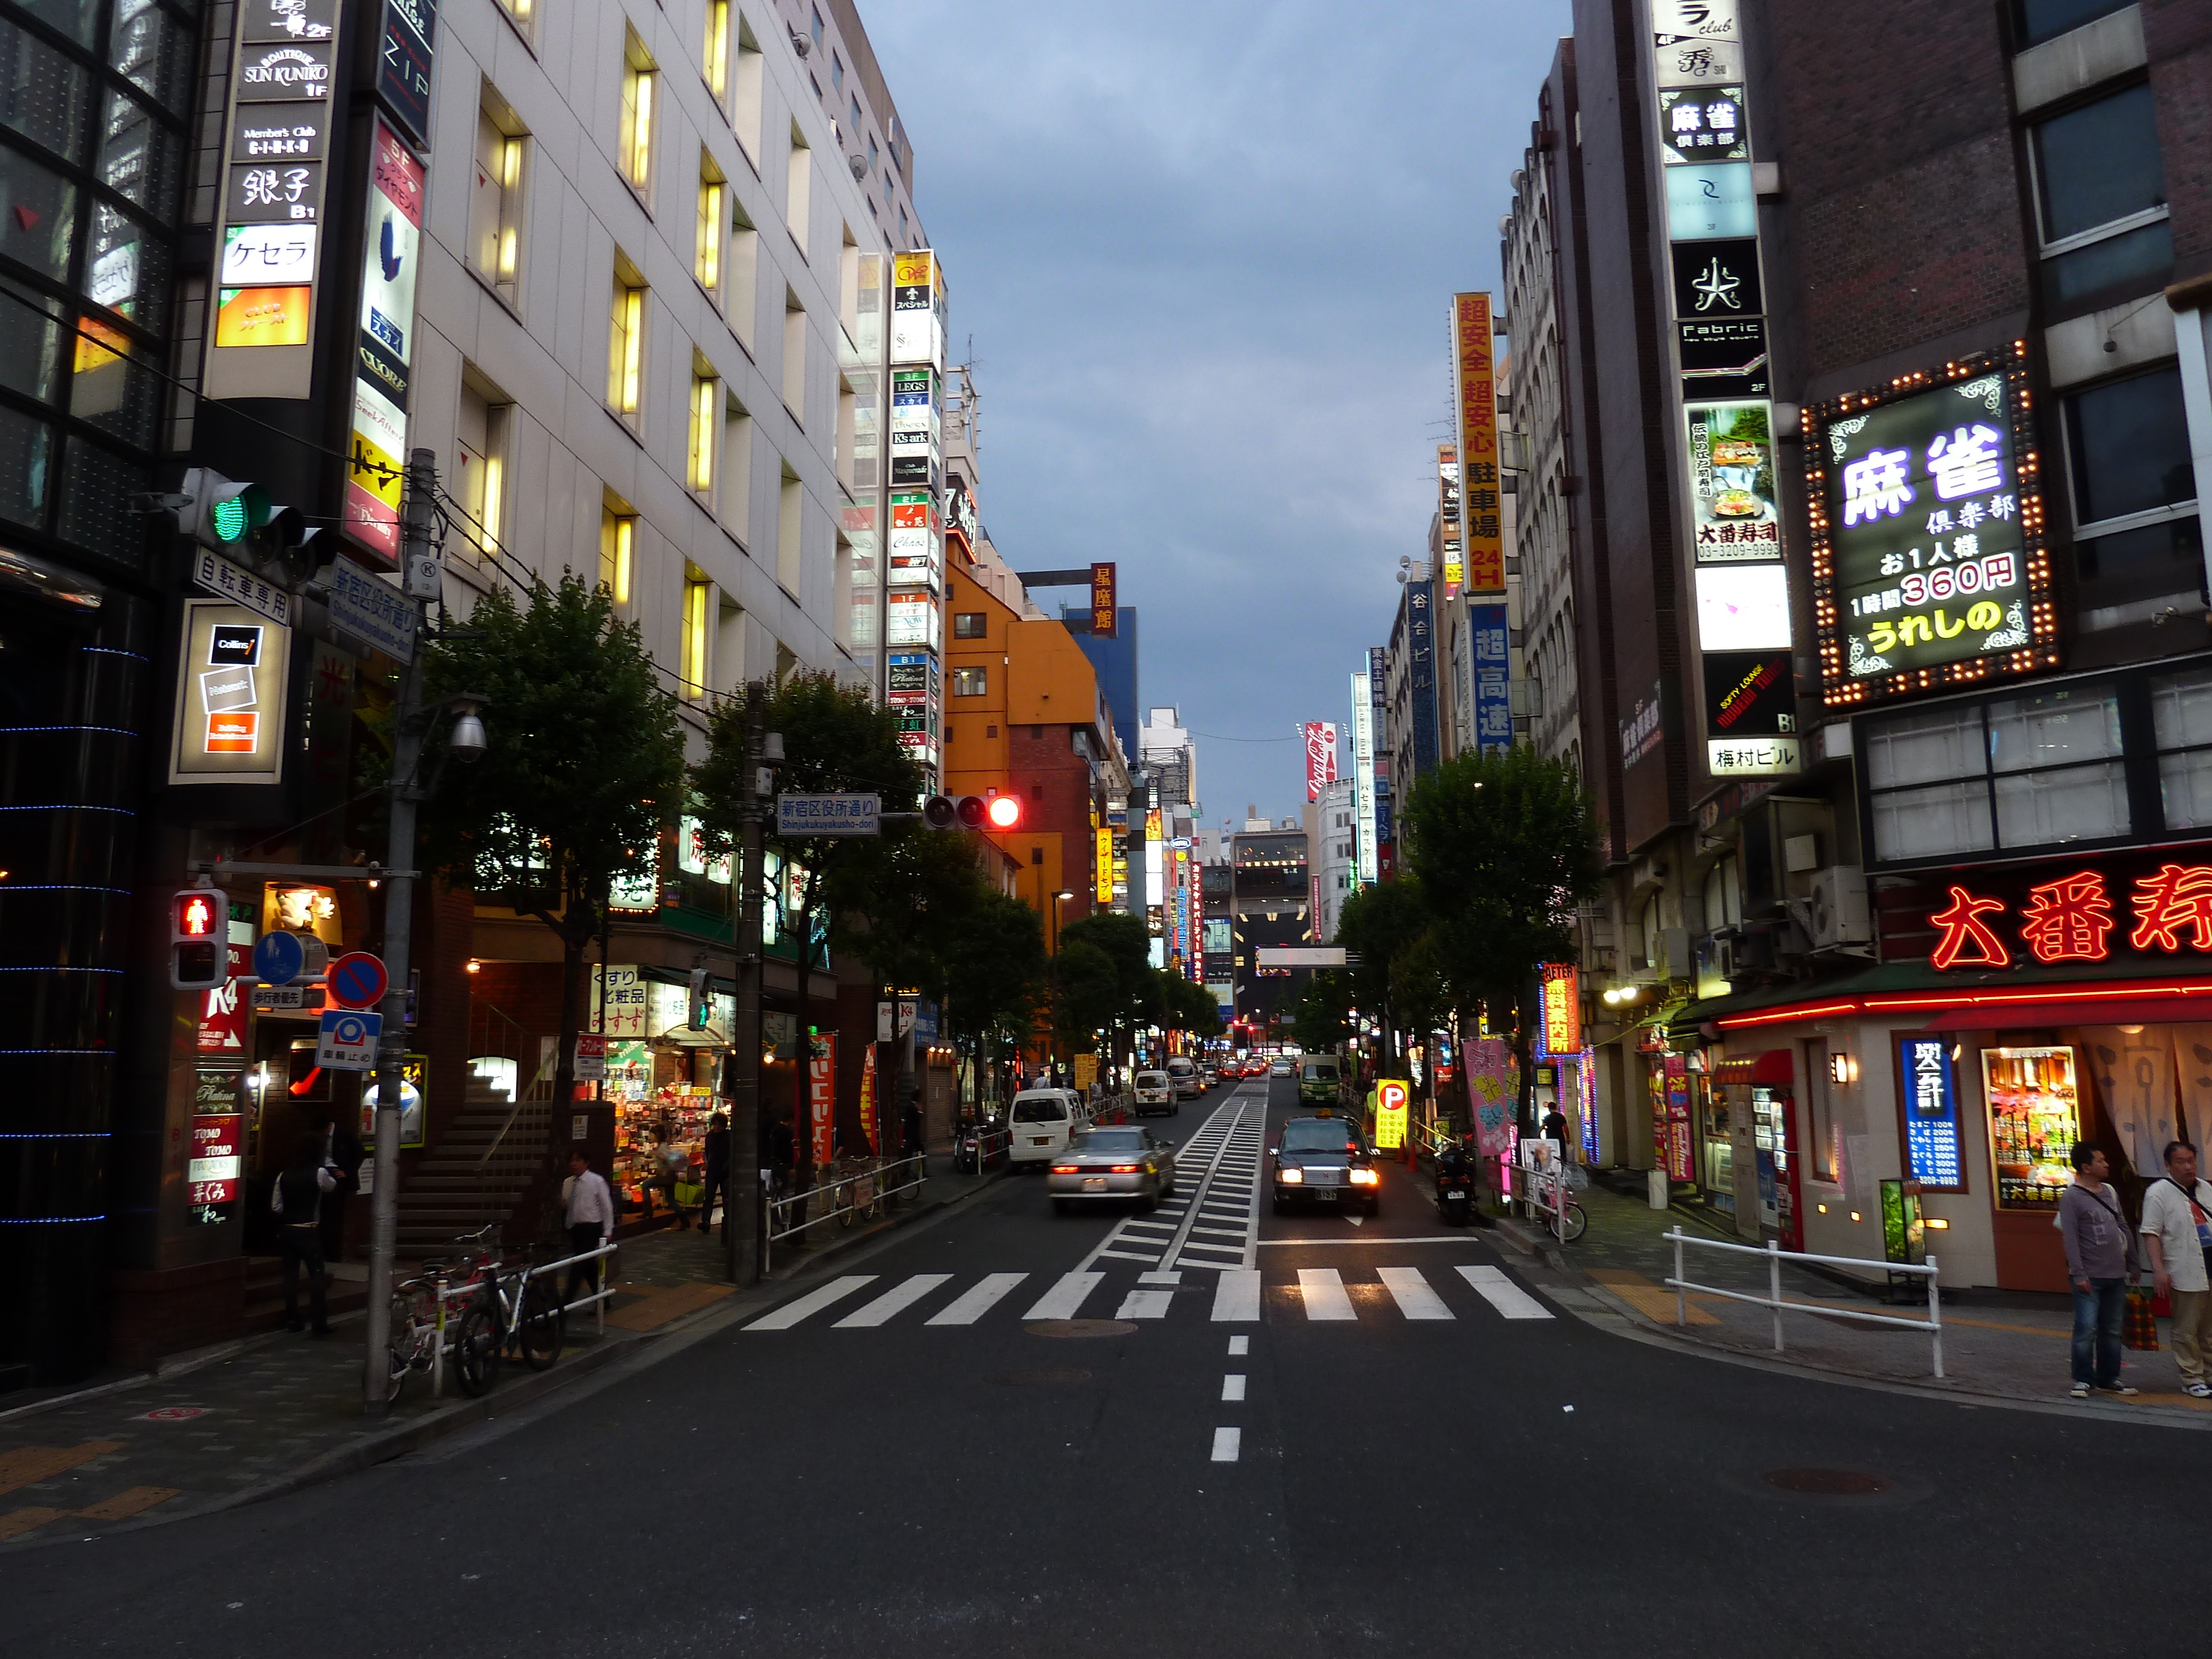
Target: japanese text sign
1393, 1099
1475, 385
1563, 1009
1931, 1112
1104, 622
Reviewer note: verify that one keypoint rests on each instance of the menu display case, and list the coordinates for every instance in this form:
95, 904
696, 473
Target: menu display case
2035, 1118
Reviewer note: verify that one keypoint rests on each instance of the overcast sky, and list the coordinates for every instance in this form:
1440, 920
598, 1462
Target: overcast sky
1204, 254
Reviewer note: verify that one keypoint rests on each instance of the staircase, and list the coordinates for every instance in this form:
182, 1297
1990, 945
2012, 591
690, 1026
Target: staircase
478, 1170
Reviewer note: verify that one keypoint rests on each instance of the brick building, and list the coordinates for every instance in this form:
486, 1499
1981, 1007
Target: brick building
1874, 333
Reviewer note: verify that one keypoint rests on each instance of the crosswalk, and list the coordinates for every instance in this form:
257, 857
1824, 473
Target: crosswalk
1237, 1296
1212, 1220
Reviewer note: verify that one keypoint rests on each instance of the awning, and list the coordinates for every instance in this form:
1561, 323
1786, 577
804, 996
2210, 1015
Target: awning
2039, 1016
1776, 1065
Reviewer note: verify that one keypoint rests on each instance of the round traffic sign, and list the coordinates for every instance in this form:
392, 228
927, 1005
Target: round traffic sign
278, 958
355, 979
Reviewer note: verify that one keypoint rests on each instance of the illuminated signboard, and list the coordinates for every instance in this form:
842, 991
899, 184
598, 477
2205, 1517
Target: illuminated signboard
917, 558
1101, 866
1362, 773
1448, 527
1475, 387
385, 348
1931, 1113
918, 308
403, 63
1751, 714
1929, 567
1321, 758
231, 688
1105, 615
1735, 512
1563, 1009
1743, 607
1490, 626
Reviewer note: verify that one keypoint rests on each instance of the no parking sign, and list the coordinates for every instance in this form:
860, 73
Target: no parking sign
348, 1040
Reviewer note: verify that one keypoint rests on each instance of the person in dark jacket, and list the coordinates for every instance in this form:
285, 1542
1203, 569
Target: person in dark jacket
297, 1204
716, 1153
342, 1156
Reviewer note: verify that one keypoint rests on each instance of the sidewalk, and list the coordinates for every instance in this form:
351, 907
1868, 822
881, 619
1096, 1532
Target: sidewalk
2005, 1344
254, 1419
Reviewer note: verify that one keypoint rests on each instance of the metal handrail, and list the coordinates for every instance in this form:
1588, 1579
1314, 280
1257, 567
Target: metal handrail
1775, 1256
495, 1272
782, 1205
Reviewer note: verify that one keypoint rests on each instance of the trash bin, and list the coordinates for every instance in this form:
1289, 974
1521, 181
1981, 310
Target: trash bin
1656, 1181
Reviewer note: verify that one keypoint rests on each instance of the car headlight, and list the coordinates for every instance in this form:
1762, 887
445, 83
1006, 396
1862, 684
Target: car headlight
1291, 1177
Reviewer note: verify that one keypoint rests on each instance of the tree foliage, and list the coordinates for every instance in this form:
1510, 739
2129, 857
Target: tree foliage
996, 966
1321, 1018
1186, 1006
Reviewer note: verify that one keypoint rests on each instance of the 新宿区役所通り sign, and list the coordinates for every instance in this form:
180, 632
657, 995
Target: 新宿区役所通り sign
828, 815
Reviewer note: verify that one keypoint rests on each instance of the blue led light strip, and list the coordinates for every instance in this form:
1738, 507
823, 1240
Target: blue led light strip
110, 651
48, 1220
65, 1135
56, 1051
57, 887
60, 968
61, 805
120, 730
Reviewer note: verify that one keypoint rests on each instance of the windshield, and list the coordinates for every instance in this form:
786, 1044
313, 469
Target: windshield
1109, 1140
1311, 1134
1323, 1070
1151, 1079
1180, 1066
1040, 1108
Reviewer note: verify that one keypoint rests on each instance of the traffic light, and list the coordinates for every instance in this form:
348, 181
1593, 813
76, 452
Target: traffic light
199, 938
220, 514
697, 1018
972, 811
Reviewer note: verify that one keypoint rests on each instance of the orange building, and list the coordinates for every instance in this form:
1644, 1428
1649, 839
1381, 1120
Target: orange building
1023, 714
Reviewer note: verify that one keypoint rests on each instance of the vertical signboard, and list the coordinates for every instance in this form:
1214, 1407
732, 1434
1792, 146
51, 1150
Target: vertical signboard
1421, 678
232, 678
918, 309
914, 624
1475, 392
1321, 758
1703, 144
402, 65
1563, 1009
1932, 1155
1362, 775
822, 1096
1493, 696
1105, 614
1448, 522
385, 347
276, 143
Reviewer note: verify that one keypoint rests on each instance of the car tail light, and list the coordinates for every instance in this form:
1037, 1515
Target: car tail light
1064, 1169
1126, 1169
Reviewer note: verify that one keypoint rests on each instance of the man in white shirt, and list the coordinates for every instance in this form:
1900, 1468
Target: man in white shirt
2177, 1220
588, 1207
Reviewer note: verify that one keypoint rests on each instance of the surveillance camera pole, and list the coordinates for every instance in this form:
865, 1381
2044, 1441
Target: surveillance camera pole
410, 727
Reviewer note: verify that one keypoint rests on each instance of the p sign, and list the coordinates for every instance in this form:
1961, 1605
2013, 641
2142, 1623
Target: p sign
1393, 1099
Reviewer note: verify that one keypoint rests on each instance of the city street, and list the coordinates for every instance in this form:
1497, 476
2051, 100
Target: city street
1008, 1431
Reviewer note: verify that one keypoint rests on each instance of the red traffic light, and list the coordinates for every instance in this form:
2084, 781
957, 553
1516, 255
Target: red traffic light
197, 912
1005, 811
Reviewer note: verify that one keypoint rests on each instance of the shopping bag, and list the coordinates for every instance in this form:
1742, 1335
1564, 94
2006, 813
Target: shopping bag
2139, 1330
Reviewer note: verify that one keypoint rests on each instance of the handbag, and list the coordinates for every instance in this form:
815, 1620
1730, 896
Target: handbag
2139, 1330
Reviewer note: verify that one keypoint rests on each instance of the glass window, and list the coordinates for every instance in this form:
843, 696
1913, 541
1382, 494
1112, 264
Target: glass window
617, 550
698, 606
2083, 803
2038, 21
496, 199
1923, 748
77, 19
1935, 822
969, 624
128, 270
140, 159
2098, 163
715, 58
706, 427
2139, 257
625, 344
1109, 1140
706, 253
38, 214
153, 51
2051, 730
2181, 718
109, 387
482, 439
30, 349
25, 460
970, 682
97, 486
43, 95
2128, 445
635, 139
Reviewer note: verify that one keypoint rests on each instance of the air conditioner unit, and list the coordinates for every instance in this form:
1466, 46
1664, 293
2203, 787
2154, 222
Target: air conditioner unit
1839, 912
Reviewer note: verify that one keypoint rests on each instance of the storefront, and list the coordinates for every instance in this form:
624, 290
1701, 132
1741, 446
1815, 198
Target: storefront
1750, 1142
664, 1073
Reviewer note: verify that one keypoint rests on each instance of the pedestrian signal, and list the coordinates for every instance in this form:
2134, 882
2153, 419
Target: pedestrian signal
199, 938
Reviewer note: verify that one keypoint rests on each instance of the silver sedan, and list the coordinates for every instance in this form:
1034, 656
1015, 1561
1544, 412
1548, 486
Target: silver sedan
1122, 1163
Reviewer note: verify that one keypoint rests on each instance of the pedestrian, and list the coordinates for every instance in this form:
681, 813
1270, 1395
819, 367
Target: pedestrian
342, 1156
1554, 1128
588, 1207
717, 1180
297, 1202
673, 1161
2100, 1259
2177, 1221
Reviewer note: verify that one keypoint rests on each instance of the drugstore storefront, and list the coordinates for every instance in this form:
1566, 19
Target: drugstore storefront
2019, 1012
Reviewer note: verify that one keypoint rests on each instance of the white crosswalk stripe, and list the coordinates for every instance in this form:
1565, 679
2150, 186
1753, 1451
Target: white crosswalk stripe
1237, 1295
1065, 1299
972, 1303
1502, 1294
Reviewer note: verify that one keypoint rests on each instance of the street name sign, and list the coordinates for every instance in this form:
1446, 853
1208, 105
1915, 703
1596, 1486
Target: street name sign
828, 815
372, 609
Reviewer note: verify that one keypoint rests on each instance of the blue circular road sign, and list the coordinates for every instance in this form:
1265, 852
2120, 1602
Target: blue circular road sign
278, 958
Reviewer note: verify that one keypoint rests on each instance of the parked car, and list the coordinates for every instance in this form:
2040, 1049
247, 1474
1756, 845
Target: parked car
1042, 1119
1324, 1160
1183, 1078
1114, 1165
1153, 1094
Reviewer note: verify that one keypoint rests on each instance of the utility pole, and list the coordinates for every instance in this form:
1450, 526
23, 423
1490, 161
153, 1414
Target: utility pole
741, 1233
418, 564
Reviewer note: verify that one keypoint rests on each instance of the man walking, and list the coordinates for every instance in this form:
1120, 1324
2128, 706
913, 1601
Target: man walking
2177, 1221
297, 1203
588, 1207
2101, 1258
716, 1153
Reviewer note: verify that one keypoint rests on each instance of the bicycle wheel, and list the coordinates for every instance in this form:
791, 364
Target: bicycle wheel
477, 1344
848, 1213
1574, 1225
544, 1326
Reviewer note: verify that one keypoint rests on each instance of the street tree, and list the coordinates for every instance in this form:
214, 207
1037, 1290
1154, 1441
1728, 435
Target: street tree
1187, 1007
1087, 995
584, 765
1123, 939
837, 740
1505, 848
997, 971
1321, 1018
1376, 925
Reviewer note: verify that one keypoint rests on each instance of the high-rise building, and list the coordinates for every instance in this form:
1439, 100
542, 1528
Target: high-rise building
1332, 828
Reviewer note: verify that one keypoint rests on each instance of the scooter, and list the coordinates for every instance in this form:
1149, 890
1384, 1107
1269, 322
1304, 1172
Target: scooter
968, 1153
1455, 1183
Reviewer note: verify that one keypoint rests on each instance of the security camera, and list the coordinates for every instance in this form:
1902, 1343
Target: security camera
859, 166
800, 42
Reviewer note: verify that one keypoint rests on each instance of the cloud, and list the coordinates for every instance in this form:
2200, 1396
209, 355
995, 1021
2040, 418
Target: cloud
1204, 255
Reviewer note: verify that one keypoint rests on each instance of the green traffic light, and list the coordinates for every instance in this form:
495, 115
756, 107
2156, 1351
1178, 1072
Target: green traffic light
229, 518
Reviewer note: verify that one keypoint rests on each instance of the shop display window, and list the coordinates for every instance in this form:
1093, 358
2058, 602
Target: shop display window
2035, 1118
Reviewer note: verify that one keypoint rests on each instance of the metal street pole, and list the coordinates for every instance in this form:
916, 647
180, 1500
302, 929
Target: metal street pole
742, 1232
414, 544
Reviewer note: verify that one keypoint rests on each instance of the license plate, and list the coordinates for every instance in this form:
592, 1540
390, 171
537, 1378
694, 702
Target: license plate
1094, 1183
1325, 1194
1455, 1191
1040, 1140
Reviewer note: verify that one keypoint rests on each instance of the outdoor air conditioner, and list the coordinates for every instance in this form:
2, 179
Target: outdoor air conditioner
1839, 912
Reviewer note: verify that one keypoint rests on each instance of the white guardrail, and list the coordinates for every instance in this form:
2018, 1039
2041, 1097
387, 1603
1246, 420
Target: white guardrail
474, 1286
1775, 1256
849, 1191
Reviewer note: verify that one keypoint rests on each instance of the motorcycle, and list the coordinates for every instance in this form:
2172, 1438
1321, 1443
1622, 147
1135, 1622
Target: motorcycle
1454, 1184
979, 1145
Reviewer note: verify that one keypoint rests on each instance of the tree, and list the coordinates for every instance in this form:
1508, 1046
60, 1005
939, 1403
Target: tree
1123, 939
1088, 994
1376, 924
1322, 1016
835, 741
585, 764
1505, 848
1187, 1007
998, 967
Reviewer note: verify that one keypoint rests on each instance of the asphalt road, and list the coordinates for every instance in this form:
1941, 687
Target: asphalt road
1421, 1473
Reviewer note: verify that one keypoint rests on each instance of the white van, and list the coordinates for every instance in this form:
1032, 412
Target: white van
1154, 1095
1042, 1120
1183, 1078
